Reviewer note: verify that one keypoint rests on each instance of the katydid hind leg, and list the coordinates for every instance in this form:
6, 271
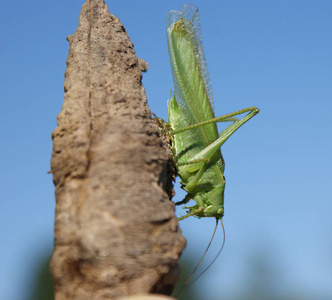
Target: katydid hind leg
193, 161
200, 170
192, 183
207, 153
210, 150
225, 118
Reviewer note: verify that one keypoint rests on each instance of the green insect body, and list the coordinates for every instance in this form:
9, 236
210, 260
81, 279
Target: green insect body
195, 138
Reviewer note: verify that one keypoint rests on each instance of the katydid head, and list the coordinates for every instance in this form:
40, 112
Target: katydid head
212, 201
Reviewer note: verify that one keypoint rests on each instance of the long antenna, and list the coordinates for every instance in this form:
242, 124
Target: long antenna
207, 248
222, 246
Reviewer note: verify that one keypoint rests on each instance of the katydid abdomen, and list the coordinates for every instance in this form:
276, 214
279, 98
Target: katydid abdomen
202, 180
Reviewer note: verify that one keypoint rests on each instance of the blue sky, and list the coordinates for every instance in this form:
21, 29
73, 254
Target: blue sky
276, 55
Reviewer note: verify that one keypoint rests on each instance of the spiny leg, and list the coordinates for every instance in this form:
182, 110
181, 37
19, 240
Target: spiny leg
210, 150
194, 213
225, 118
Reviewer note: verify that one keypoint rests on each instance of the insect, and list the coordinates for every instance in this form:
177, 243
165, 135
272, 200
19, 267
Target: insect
192, 122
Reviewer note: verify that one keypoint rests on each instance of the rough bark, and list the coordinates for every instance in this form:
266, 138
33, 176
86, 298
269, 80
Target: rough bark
116, 233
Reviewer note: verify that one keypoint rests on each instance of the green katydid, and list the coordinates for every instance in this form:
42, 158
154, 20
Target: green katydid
191, 119
195, 139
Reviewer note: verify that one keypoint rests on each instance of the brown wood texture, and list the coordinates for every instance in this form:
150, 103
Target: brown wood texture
116, 233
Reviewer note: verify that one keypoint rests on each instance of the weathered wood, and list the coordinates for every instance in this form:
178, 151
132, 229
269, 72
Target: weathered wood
116, 233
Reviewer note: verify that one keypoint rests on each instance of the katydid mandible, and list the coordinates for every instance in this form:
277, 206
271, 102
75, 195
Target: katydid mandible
192, 122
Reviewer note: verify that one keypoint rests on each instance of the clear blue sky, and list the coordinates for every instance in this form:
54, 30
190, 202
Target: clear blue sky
276, 55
